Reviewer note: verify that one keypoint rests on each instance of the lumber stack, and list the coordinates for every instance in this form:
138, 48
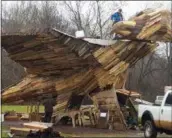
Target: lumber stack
154, 25
34, 129
60, 64
20, 131
128, 93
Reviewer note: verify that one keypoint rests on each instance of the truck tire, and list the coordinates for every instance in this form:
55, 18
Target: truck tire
149, 130
168, 132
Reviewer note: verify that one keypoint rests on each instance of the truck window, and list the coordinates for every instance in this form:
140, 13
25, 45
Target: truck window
168, 101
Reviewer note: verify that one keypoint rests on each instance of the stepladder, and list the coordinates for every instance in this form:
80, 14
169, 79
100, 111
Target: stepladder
109, 106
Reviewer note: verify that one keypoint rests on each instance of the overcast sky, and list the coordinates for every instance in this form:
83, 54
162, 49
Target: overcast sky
130, 8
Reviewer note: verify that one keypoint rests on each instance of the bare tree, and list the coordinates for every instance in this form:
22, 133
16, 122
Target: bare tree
149, 76
79, 20
27, 17
49, 16
32, 16
94, 19
169, 61
14, 18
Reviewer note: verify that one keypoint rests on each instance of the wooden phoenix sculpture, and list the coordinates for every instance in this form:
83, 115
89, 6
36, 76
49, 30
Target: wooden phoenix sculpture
62, 65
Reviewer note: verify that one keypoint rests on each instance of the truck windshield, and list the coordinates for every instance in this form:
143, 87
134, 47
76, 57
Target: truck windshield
168, 101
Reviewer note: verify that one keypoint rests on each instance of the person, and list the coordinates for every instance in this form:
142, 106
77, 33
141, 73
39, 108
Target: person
48, 107
131, 121
117, 16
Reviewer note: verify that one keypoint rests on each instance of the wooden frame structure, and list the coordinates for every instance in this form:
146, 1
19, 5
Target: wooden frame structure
61, 64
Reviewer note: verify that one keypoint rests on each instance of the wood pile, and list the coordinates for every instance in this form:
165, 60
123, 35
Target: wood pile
147, 25
34, 130
59, 64
20, 131
128, 93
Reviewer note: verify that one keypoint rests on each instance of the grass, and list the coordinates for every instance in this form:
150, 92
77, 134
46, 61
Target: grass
17, 108
104, 135
4, 131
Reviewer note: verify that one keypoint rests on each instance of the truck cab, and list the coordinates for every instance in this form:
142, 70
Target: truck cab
165, 121
157, 118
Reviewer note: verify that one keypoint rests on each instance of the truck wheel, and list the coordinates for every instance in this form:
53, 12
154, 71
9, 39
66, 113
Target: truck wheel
149, 130
168, 132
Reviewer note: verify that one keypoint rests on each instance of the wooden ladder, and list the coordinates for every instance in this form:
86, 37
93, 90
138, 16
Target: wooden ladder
115, 115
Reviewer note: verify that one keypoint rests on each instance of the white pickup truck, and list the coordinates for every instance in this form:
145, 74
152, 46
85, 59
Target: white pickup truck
157, 118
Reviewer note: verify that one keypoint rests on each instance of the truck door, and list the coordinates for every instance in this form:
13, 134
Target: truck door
166, 113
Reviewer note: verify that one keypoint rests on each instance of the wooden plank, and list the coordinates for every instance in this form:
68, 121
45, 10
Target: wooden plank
38, 125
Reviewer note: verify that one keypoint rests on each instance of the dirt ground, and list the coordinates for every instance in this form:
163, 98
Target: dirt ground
68, 131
